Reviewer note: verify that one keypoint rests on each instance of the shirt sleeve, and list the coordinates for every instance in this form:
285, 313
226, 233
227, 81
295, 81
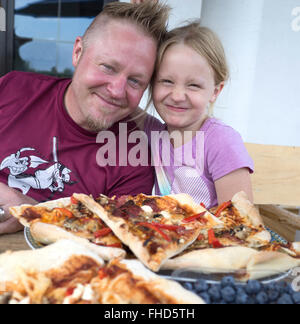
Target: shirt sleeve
226, 152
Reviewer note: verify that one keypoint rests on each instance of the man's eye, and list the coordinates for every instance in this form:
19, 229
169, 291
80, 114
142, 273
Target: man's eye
107, 68
134, 82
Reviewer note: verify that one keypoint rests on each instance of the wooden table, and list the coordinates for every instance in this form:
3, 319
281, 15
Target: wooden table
13, 242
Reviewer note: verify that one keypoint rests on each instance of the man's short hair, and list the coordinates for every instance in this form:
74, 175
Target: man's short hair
150, 16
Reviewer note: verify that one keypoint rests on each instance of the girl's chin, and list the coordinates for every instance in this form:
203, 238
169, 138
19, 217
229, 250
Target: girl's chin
175, 122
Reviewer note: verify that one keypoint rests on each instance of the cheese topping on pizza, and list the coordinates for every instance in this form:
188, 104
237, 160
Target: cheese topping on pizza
75, 218
158, 221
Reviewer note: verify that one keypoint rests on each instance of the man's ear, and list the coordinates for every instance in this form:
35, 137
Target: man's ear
77, 51
217, 91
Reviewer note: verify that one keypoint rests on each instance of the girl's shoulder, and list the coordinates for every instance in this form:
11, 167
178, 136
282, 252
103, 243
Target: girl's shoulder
214, 129
213, 124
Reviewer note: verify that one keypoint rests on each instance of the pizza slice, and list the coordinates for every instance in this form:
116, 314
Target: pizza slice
68, 273
68, 218
154, 228
240, 224
239, 243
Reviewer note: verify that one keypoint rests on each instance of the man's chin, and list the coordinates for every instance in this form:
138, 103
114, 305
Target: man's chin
96, 126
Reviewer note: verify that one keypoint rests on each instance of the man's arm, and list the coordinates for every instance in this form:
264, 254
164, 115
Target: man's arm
10, 197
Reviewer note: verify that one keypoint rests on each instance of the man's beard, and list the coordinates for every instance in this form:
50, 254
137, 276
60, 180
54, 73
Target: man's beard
97, 126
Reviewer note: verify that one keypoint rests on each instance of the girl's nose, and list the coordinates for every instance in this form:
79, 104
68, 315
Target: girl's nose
178, 94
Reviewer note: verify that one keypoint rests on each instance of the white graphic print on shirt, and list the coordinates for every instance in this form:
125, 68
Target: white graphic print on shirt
52, 178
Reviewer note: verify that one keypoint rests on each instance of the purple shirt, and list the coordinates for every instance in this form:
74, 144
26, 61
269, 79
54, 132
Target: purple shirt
46, 155
216, 151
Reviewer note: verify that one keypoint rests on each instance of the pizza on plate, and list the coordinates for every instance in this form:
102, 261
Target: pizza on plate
69, 218
154, 228
68, 273
239, 242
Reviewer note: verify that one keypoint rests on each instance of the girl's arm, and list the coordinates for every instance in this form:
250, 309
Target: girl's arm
233, 183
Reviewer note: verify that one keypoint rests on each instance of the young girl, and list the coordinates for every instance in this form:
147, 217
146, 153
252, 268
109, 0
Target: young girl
190, 74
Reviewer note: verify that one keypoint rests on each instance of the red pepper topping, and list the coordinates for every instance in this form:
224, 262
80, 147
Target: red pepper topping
156, 229
102, 274
74, 201
64, 212
194, 218
212, 240
201, 237
102, 232
70, 291
222, 207
174, 228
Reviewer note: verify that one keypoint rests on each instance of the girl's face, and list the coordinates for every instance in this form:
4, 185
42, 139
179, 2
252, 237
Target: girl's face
183, 88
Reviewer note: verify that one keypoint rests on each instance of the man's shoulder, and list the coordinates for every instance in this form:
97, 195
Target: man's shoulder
29, 78
28, 75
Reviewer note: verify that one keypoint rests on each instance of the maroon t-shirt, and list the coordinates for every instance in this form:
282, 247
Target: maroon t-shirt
46, 155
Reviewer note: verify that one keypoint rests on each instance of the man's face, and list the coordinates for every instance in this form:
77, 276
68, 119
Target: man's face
111, 75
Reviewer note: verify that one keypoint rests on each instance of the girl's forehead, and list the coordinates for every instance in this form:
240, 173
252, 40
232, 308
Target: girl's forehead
185, 58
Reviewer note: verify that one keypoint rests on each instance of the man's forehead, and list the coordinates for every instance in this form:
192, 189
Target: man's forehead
121, 45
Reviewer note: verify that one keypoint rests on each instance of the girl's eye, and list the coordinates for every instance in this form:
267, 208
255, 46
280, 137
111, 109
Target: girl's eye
196, 86
165, 81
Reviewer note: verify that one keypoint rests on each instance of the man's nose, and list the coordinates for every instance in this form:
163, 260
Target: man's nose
117, 87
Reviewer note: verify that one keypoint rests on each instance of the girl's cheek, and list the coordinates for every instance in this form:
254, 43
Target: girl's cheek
158, 95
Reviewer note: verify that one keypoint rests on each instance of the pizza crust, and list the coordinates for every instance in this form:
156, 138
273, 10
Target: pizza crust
161, 286
247, 209
48, 234
212, 260
121, 230
19, 210
265, 264
42, 260
252, 264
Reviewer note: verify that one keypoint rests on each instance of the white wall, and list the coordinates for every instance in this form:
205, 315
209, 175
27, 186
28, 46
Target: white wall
182, 10
262, 41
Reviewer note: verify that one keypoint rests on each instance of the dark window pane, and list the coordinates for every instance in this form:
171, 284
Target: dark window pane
45, 31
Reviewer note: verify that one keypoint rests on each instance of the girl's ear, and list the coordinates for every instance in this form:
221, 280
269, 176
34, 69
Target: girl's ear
217, 91
77, 51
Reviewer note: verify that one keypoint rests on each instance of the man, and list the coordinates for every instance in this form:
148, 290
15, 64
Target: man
49, 126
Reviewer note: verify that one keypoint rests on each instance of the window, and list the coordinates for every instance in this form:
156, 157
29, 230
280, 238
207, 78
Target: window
44, 32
